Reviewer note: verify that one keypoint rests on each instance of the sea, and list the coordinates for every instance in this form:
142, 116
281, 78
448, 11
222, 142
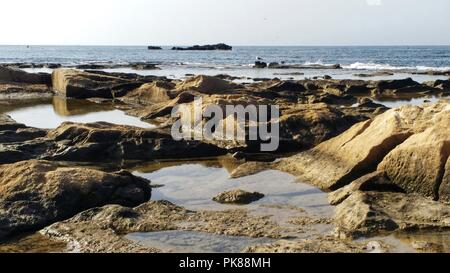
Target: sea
403, 61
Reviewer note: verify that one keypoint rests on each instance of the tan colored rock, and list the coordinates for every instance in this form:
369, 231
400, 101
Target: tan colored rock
418, 164
81, 84
444, 190
37, 193
238, 197
102, 229
359, 150
376, 181
159, 91
206, 84
366, 213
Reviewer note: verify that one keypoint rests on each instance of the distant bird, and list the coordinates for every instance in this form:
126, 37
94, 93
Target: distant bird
259, 58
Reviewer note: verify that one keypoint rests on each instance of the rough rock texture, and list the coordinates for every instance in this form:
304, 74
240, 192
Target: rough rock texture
82, 84
206, 85
444, 191
377, 181
359, 150
418, 164
365, 213
24, 91
313, 245
107, 142
159, 91
82, 232
8, 74
238, 197
37, 193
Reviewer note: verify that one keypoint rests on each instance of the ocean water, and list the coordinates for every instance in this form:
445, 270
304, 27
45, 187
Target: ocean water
403, 60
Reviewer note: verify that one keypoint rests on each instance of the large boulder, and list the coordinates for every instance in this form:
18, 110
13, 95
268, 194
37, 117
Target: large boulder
8, 74
358, 151
38, 193
73, 83
418, 165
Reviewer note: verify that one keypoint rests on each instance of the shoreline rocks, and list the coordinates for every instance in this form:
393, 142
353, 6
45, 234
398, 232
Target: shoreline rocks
38, 193
362, 148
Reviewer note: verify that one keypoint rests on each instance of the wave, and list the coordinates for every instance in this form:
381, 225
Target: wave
374, 66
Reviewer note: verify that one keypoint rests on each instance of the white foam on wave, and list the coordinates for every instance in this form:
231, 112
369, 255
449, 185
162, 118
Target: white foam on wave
375, 66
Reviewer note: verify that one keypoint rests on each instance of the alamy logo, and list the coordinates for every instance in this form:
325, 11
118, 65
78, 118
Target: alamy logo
231, 123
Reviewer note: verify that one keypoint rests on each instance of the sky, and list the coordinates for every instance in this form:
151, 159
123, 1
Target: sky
235, 22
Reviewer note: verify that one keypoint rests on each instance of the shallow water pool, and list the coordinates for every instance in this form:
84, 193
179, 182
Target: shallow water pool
58, 110
195, 242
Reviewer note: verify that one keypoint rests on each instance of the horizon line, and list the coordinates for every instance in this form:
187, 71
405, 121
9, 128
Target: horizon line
237, 45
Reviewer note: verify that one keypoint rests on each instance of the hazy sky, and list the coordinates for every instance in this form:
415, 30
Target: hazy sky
236, 22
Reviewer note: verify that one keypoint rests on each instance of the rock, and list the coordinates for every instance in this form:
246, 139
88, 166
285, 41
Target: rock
304, 126
418, 165
82, 84
104, 142
239, 197
249, 168
395, 84
92, 66
368, 103
444, 190
434, 73
206, 47
259, 64
376, 181
330, 99
322, 244
144, 66
291, 86
369, 213
38, 193
206, 85
360, 149
149, 93
375, 74
327, 77
8, 74
154, 48
273, 65
257, 157
24, 91
110, 223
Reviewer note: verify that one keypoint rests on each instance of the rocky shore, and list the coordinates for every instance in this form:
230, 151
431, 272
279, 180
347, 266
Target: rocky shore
386, 170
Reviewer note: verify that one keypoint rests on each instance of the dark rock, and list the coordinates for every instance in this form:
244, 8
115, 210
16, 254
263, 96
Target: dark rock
15, 75
259, 64
154, 48
205, 47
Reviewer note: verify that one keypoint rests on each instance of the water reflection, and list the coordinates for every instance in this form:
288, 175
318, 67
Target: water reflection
51, 114
195, 242
193, 184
